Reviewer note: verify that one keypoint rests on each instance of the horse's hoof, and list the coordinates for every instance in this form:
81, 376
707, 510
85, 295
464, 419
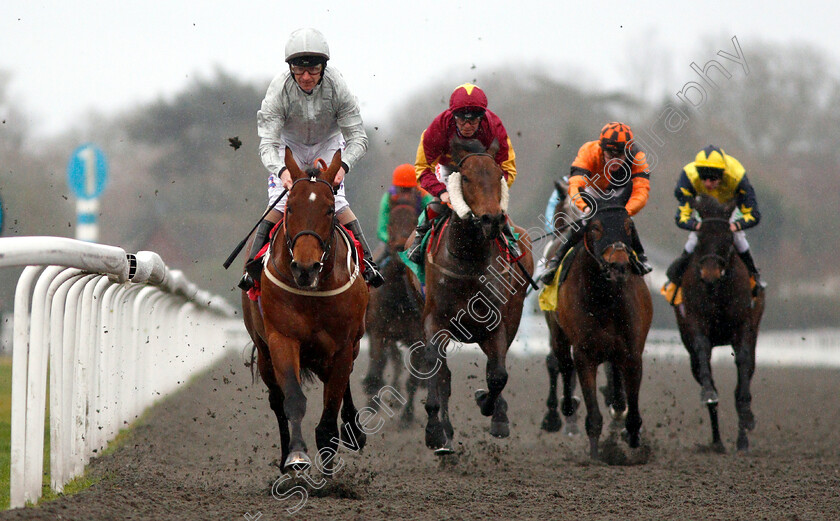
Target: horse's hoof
551, 422
748, 422
435, 437
718, 447
298, 461
571, 428
500, 429
617, 415
445, 450
633, 440
570, 406
353, 436
743, 443
406, 421
709, 396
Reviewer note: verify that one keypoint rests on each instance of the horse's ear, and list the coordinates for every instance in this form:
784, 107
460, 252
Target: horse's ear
329, 174
457, 149
292, 166
493, 149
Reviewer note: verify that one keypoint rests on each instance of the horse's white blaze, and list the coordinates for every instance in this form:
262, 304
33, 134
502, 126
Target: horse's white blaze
312, 197
505, 199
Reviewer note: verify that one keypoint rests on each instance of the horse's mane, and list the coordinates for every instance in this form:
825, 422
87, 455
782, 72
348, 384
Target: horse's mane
708, 206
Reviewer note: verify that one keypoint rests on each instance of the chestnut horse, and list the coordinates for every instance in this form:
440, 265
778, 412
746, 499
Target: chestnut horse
603, 315
718, 308
310, 316
393, 315
473, 293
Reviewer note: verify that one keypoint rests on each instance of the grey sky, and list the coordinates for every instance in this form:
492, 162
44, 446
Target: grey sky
68, 58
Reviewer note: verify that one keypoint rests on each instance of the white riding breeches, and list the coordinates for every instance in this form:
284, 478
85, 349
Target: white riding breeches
739, 238
305, 156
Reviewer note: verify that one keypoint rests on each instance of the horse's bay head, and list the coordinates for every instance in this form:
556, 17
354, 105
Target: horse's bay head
608, 234
310, 215
481, 184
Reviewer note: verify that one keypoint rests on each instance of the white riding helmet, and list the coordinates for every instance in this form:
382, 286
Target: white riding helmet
307, 42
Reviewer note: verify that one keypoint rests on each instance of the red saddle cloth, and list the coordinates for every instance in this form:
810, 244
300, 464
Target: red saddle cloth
255, 292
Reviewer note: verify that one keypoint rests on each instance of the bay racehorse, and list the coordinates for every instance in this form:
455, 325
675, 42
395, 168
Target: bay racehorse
393, 315
473, 292
603, 314
718, 308
310, 316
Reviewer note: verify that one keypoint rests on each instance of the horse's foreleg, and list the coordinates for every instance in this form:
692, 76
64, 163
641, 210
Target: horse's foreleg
275, 399
571, 402
336, 388
285, 360
436, 437
396, 361
632, 370
700, 353
374, 380
491, 402
411, 384
587, 371
618, 401
551, 422
745, 361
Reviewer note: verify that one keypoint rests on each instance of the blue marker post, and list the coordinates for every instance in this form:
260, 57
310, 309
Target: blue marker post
87, 174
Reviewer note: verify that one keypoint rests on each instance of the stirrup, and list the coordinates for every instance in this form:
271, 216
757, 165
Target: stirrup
548, 276
372, 275
415, 253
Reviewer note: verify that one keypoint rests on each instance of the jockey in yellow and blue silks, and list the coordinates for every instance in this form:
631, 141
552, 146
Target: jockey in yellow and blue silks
719, 175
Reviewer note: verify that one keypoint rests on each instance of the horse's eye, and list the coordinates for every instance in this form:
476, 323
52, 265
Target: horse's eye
465, 179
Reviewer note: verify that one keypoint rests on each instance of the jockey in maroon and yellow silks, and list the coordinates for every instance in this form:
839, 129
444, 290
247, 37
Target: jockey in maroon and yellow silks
434, 148
468, 118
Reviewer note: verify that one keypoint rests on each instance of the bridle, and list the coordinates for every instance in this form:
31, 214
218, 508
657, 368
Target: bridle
722, 261
471, 154
326, 245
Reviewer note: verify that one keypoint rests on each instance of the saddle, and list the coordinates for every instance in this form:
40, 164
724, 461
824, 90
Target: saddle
548, 295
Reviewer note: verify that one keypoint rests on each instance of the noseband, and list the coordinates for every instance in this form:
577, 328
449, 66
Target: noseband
325, 245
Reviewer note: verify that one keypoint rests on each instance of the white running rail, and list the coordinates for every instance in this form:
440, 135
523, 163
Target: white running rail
118, 330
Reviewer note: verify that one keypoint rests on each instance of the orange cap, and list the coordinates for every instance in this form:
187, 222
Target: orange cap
404, 175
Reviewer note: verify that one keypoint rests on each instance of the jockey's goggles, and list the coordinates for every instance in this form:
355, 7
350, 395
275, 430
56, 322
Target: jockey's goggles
468, 116
299, 70
708, 173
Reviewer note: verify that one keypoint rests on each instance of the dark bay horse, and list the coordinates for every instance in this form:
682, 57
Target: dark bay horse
310, 317
473, 293
718, 308
603, 315
393, 316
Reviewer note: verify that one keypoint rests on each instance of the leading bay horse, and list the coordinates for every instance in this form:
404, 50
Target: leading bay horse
603, 314
718, 308
393, 315
310, 316
473, 292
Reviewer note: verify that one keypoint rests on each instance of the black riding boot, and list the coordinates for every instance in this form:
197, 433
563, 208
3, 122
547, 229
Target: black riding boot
253, 269
748, 260
677, 268
371, 274
415, 251
639, 249
572, 236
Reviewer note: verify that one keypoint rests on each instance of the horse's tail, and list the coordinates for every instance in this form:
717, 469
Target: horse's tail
306, 374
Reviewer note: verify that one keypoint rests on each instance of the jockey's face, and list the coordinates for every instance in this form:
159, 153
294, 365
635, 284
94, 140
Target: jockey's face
613, 159
307, 77
467, 126
711, 184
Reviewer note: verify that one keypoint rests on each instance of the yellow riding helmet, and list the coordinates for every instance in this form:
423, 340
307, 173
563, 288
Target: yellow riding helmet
711, 157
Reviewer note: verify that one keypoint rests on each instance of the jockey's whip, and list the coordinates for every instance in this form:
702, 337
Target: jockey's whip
241, 245
527, 275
